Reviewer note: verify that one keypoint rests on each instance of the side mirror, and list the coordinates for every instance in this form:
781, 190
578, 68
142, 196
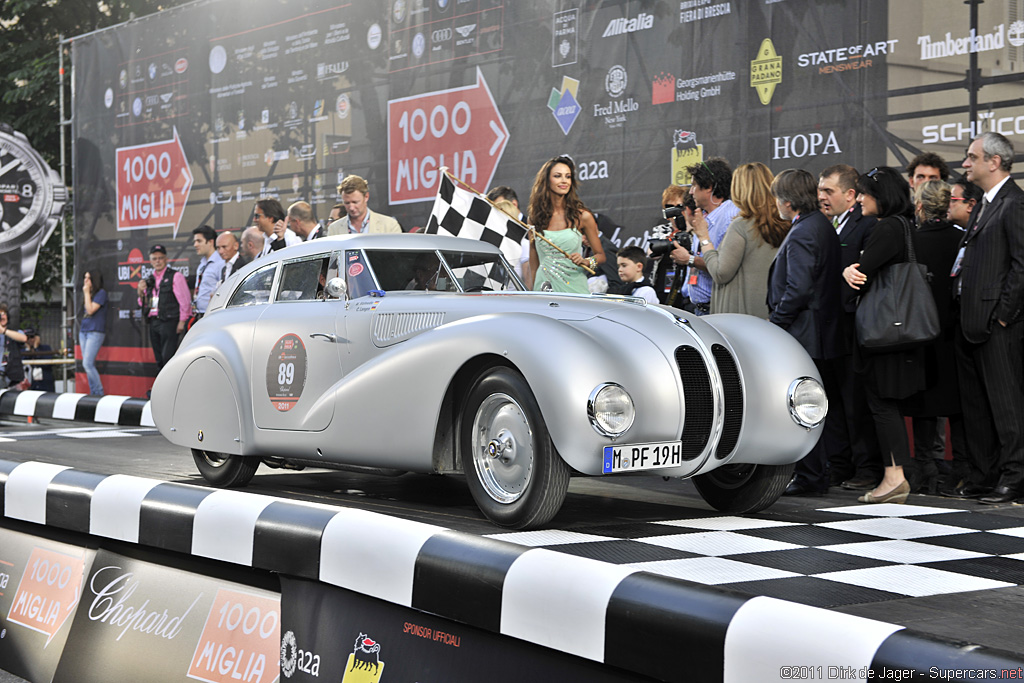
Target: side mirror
336, 288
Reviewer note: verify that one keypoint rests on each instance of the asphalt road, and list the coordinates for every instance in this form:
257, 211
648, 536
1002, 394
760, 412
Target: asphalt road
987, 617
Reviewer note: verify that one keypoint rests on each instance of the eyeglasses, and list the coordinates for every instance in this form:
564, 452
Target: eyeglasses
959, 199
873, 173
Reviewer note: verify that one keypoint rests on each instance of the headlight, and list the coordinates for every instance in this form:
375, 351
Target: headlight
610, 409
807, 402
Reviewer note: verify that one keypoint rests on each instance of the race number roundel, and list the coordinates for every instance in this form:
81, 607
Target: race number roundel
286, 372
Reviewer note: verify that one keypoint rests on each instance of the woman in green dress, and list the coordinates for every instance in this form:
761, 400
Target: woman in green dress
558, 214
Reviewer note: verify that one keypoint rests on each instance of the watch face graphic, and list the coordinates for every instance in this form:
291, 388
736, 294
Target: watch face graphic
21, 196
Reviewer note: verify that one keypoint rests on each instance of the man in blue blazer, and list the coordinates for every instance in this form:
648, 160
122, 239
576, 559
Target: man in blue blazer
804, 299
989, 285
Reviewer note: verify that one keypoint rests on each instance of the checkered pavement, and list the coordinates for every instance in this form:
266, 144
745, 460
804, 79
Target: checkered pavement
846, 555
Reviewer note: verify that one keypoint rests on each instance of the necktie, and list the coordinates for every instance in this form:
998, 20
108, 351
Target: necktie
981, 212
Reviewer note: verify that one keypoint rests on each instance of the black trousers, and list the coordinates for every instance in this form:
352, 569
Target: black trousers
163, 336
891, 429
992, 396
851, 440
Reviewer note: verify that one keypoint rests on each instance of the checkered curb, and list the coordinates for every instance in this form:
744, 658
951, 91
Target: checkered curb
658, 626
116, 410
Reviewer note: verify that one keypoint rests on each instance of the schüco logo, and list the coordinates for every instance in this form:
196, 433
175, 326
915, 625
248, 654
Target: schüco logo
618, 27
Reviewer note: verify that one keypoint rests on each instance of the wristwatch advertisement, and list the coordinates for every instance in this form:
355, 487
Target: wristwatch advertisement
32, 200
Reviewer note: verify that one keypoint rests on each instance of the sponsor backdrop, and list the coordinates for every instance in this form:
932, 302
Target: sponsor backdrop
188, 116
332, 634
40, 584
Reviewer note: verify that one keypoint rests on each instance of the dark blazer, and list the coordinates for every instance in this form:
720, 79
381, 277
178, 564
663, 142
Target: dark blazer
992, 271
803, 286
852, 237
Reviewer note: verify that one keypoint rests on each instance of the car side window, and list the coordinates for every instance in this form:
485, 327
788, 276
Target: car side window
480, 272
402, 270
304, 280
255, 289
358, 277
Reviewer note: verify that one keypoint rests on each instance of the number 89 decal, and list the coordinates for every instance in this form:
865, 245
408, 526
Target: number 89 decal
286, 372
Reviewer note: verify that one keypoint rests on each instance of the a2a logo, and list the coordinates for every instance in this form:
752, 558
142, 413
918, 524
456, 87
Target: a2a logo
592, 170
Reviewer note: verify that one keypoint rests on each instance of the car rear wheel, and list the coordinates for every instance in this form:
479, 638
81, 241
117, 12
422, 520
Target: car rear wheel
225, 470
742, 488
515, 475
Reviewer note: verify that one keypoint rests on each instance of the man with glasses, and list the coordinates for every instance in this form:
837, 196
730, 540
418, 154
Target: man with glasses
989, 285
269, 217
166, 305
965, 196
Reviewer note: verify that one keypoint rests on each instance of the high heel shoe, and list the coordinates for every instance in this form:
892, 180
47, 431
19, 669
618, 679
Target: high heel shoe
897, 495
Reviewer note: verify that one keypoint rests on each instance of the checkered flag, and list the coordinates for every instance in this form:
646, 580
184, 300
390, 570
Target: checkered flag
462, 213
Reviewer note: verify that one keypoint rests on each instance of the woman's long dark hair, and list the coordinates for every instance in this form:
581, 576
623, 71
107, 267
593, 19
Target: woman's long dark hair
97, 279
542, 198
889, 189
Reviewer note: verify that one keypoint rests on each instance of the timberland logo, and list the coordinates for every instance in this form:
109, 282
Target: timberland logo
950, 46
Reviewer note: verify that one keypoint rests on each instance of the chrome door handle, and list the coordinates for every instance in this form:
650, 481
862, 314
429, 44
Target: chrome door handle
324, 335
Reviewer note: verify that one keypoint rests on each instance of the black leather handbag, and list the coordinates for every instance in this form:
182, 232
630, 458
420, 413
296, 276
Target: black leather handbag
898, 310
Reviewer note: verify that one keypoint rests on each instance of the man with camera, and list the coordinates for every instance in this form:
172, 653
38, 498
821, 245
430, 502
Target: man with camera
710, 189
668, 277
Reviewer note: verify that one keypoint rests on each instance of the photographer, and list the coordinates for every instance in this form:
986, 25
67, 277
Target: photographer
710, 190
669, 280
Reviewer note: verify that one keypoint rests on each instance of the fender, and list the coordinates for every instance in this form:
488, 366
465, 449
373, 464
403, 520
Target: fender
562, 363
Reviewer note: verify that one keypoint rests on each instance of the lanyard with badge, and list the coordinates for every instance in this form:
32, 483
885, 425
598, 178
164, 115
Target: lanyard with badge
154, 298
958, 263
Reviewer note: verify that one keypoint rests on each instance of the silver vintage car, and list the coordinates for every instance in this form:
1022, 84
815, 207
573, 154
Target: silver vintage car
422, 353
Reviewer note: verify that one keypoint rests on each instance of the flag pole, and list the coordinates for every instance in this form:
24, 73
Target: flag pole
529, 228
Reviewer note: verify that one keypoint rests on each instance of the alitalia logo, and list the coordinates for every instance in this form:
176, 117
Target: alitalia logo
617, 27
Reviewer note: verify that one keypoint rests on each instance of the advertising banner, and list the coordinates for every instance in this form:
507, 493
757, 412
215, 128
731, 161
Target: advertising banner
154, 622
187, 117
332, 634
40, 584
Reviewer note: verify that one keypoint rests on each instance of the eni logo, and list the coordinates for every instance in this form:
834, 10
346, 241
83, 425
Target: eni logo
766, 71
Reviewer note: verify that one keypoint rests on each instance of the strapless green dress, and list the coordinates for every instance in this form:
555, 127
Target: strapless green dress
557, 273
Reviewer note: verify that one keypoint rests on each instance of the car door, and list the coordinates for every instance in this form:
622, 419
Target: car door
296, 358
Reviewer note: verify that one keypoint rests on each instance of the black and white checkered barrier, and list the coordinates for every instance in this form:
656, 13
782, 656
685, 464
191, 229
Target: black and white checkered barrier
657, 626
116, 410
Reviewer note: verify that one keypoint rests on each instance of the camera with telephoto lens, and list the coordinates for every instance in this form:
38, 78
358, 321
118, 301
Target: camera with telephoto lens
662, 241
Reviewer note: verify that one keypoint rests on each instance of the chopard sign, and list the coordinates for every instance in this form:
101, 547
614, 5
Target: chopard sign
111, 606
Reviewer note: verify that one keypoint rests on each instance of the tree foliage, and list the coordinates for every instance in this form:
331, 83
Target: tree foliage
30, 32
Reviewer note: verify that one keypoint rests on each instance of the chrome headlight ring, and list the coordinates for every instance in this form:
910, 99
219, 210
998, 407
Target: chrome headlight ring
610, 410
808, 403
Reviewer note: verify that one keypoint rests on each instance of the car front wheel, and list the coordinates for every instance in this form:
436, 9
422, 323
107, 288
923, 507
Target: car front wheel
742, 488
225, 470
515, 475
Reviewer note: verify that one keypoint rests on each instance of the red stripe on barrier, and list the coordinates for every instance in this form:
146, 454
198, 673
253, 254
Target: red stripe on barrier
116, 385
121, 354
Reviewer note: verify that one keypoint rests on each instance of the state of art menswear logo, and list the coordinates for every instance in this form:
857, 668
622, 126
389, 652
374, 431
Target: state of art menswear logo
564, 105
766, 71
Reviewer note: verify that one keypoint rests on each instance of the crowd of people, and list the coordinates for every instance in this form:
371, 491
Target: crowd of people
793, 249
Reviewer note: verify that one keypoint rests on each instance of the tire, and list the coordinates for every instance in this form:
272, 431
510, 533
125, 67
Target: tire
739, 489
224, 470
522, 486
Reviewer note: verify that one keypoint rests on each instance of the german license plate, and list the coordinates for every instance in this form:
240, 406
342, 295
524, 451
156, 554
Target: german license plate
642, 456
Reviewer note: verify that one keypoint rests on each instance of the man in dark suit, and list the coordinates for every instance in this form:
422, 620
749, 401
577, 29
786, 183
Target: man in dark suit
803, 299
852, 444
989, 284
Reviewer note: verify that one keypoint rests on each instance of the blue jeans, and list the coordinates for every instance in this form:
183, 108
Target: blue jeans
91, 343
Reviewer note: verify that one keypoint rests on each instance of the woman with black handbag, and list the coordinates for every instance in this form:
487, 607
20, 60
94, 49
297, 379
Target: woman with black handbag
891, 371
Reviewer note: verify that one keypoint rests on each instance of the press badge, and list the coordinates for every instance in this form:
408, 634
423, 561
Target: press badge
957, 263
154, 302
